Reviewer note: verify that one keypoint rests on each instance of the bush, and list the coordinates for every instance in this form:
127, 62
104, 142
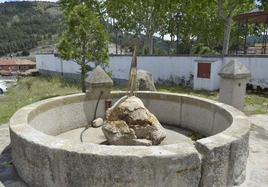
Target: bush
25, 53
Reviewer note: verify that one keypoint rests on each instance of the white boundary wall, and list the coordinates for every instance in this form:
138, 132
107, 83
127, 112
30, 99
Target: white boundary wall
165, 69
258, 67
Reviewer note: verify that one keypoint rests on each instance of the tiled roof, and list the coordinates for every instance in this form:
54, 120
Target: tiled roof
14, 61
7, 61
24, 62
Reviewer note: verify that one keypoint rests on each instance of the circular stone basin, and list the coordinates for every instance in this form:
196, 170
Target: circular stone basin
96, 136
43, 156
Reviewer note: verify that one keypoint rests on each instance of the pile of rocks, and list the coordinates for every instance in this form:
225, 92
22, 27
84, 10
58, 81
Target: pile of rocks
129, 122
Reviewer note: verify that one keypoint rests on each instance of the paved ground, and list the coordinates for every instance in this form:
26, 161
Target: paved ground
257, 169
8, 175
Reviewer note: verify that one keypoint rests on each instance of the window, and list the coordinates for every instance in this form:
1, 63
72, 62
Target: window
203, 70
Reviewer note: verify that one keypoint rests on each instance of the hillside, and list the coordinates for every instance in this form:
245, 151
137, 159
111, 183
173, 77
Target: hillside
26, 25
34, 27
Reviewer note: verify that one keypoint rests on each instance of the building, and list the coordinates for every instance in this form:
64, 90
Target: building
13, 65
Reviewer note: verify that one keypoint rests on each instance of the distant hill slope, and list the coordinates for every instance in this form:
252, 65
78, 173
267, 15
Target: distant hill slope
34, 27
24, 25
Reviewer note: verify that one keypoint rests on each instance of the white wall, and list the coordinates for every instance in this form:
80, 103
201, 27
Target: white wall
162, 68
165, 69
171, 69
258, 66
51, 63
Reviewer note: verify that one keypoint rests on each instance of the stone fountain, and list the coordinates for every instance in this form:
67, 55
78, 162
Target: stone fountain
47, 151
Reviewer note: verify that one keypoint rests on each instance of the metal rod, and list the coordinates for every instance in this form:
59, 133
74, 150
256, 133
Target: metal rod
94, 117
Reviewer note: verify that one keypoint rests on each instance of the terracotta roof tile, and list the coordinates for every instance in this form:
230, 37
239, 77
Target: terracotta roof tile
7, 61
24, 62
14, 61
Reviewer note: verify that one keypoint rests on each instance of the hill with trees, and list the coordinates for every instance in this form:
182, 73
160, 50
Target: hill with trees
24, 25
202, 27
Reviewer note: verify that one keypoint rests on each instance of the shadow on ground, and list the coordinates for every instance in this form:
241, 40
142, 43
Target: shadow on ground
8, 174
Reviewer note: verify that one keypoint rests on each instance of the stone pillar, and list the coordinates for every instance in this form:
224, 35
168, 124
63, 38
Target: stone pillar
234, 77
98, 81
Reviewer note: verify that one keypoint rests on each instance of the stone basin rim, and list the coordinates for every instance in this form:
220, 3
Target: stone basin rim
19, 125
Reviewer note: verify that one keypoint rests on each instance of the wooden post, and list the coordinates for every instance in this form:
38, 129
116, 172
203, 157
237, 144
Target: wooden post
132, 74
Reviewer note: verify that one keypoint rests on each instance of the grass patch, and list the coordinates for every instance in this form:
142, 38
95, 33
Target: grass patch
32, 89
255, 102
178, 89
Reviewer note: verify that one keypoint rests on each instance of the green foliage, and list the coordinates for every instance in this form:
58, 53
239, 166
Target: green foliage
264, 4
201, 49
25, 53
226, 9
24, 24
85, 39
96, 5
194, 21
139, 16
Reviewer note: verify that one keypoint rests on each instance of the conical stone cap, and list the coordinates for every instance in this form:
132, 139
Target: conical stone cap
98, 77
235, 70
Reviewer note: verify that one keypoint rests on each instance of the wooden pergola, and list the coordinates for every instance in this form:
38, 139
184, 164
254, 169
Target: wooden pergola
254, 17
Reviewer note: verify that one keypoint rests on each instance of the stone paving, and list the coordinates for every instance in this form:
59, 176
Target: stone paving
257, 167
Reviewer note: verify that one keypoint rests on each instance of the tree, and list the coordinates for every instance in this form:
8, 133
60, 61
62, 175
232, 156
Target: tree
207, 22
25, 53
264, 4
96, 5
84, 40
226, 10
139, 16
